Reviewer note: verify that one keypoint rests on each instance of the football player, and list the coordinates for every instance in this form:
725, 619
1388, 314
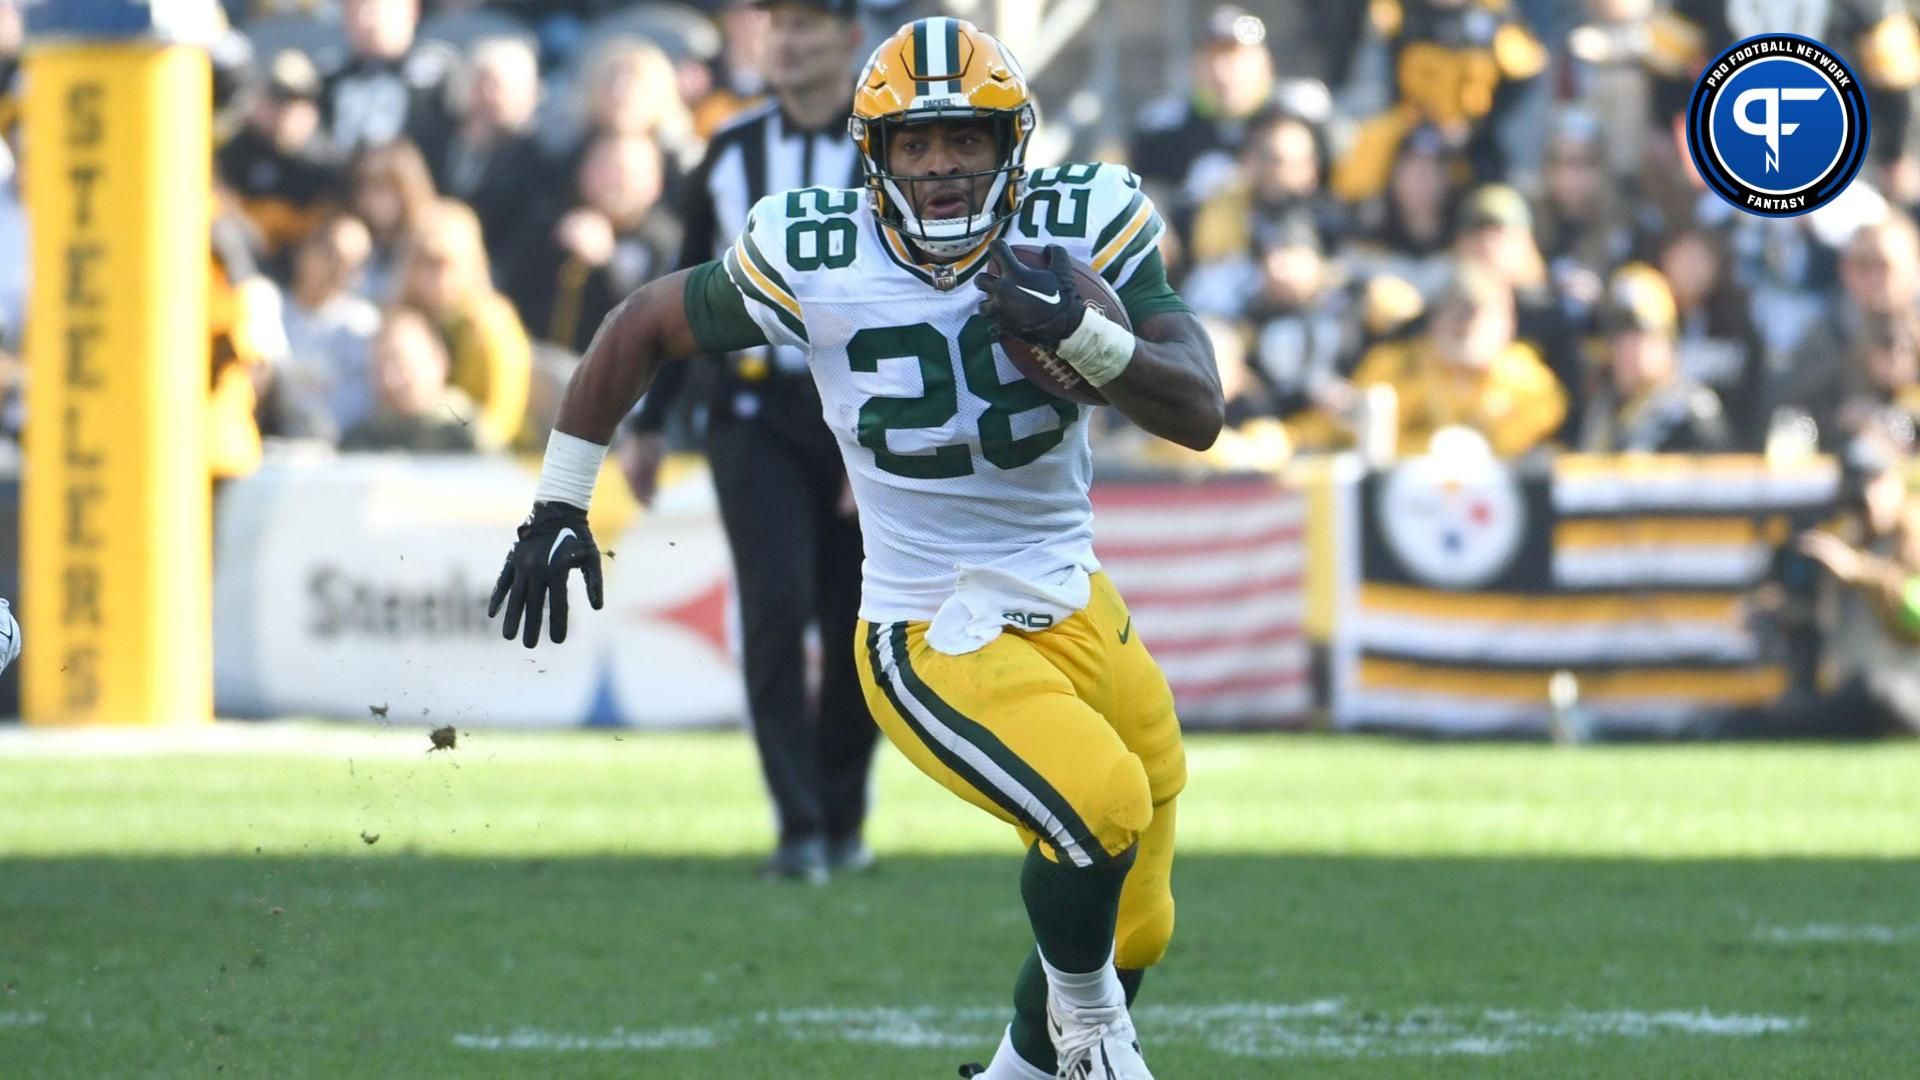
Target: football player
994, 653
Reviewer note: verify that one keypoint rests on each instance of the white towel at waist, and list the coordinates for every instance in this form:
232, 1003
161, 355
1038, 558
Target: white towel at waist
987, 599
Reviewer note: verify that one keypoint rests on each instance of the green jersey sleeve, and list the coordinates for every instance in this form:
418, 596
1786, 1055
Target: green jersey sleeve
717, 312
1146, 293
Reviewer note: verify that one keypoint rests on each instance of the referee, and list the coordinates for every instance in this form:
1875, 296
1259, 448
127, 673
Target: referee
777, 471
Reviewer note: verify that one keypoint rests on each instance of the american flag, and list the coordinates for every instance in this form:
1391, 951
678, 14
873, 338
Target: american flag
1214, 576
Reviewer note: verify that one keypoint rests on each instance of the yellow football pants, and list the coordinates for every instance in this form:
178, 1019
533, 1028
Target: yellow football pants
1067, 733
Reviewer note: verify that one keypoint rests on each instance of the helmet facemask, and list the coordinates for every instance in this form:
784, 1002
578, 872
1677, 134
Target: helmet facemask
948, 237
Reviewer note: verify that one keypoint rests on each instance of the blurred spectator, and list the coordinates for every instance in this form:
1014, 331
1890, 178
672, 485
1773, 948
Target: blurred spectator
280, 164
567, 274
330, 329
1495, 232
1668, 192
1826, 376
415, 410
15, 255
446, 277
1291, 318
1186, 150
391, 190
739, 76
242, 10
1611, 80
388, 88
1718, 342
1584, 230
1462, 66
1280, 179
1467, 371
1643, 403
1408, 231
628, 86
1870, 682
488, 156
13, 34
491, 160
246, 342
1340, 35
15, 270
1889, 354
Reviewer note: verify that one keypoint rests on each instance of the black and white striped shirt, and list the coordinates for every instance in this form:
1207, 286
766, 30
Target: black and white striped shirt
758, 153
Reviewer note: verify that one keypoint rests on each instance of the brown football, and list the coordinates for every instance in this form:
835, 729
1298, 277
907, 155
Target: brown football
1037, 362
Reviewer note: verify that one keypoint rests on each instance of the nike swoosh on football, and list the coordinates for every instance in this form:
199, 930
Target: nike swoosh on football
565, 534
1052, 298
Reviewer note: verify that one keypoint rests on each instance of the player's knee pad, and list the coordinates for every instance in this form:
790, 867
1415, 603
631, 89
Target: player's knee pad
1145, 927
1167, 772
1122, 806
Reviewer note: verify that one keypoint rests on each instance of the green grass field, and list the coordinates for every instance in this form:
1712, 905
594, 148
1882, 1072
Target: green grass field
581, 904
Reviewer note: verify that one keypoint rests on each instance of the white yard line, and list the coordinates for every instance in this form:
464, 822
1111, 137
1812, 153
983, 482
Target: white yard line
404, 735
21, 1019
1839, 934
534, 1039
1312, 1029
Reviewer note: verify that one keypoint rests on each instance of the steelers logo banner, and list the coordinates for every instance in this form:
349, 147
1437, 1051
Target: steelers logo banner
1778, 125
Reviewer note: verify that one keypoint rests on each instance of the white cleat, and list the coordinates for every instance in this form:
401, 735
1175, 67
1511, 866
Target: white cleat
1096, 1044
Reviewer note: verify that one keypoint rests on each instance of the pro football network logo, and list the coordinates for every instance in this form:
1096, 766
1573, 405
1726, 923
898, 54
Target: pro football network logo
1778, 125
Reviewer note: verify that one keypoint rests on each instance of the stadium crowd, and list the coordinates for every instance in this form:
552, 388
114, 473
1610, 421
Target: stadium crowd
1471, 214
1494, 218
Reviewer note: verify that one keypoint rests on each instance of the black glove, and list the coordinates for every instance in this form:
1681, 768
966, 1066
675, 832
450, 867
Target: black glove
1040, 306
553, 540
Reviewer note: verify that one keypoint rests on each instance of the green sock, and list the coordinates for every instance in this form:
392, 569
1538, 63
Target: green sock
1073, 909
1030, 1038
1130, 982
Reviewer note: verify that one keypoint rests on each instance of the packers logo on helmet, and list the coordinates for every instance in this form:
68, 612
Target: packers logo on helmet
937, 69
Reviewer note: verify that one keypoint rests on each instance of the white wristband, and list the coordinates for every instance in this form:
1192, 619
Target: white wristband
571, 466
1099, 349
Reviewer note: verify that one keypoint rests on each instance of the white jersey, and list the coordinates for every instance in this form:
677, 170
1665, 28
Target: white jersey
956, 460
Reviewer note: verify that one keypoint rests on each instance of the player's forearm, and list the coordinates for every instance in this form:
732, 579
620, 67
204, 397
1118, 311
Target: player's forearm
620, 364
1171, 386
645, 331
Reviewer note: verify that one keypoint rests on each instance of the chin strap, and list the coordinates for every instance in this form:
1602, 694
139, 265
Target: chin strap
974, 244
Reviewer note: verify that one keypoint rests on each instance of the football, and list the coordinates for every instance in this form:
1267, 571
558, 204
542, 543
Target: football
1038, 363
